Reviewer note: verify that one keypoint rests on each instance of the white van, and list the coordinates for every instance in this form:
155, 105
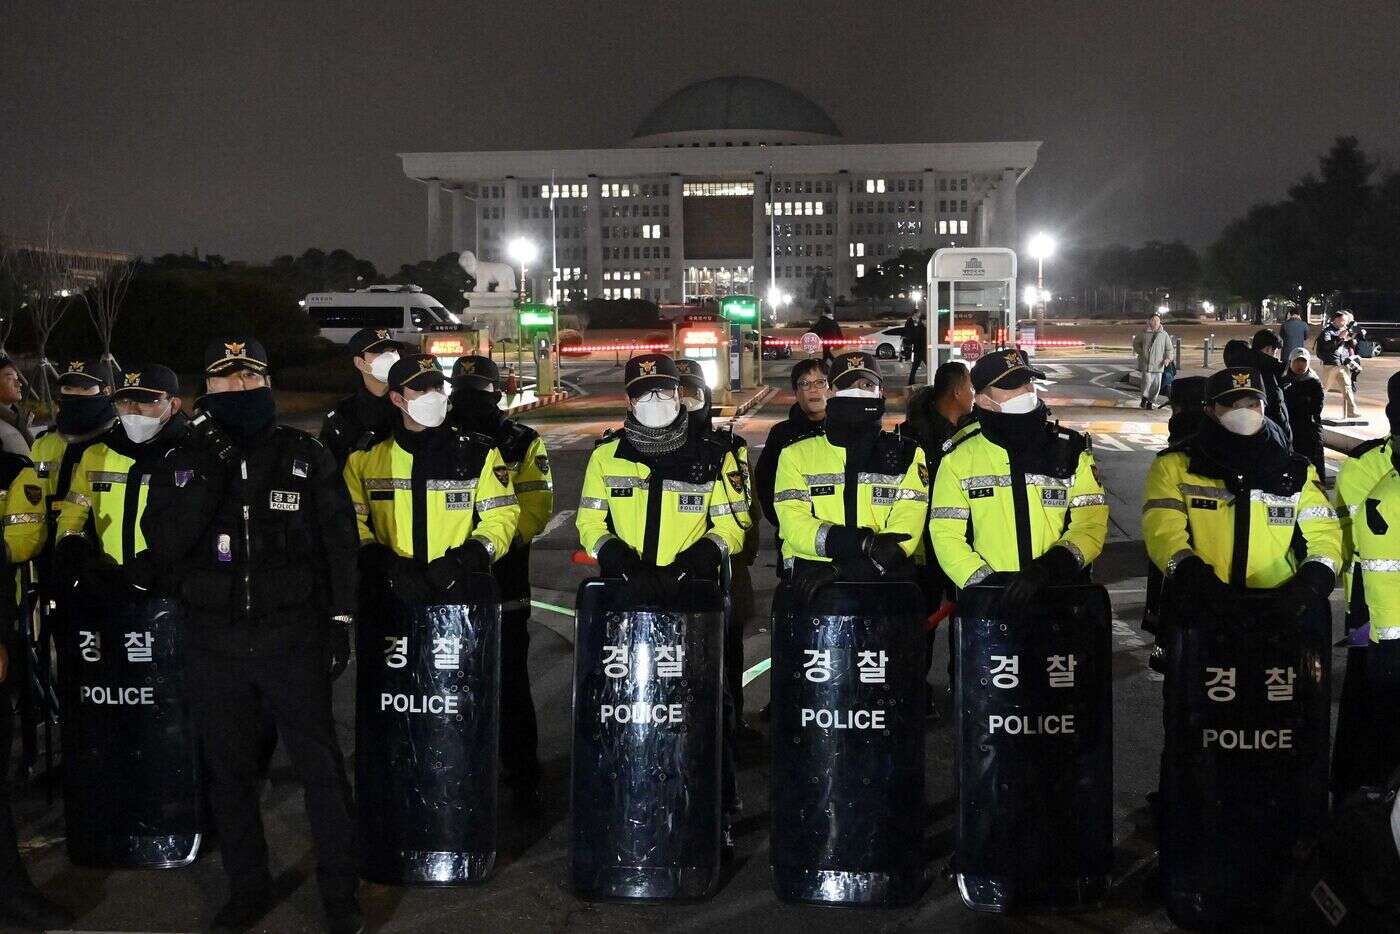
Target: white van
405, 310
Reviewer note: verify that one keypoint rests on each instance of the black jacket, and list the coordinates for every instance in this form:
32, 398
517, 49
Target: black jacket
765, 472
262, 547
357, 423
1304, 398
1238, 353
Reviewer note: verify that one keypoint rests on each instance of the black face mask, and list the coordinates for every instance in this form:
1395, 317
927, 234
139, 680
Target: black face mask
79, 415
476, 409
242, 414
850, 417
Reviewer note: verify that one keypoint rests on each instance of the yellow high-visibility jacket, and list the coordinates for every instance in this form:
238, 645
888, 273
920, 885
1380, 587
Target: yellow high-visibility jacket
455, 487
1367, 464
985, 518
809, 493
1186, 513
1376, 529
660, 514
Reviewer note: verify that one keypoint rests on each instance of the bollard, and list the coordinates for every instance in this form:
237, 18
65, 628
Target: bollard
1176, 355
1207, 346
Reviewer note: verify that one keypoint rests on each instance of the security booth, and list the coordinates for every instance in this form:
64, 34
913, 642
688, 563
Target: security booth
742, 312
538, 326
974, 292
703, 338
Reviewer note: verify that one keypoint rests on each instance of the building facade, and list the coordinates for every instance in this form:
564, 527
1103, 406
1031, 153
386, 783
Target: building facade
730, 185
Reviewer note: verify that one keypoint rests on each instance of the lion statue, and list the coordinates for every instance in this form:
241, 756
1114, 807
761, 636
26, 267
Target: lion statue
489, 277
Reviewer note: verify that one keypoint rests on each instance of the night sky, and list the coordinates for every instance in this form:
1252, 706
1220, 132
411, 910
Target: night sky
252, 129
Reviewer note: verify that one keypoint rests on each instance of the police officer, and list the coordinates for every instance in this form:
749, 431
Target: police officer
85, 413
1364, 467
23, 530
362, 420
475, 407
1222, 508
1016, 495
661, 504
697, 400
851, 502
253, 523
100, 496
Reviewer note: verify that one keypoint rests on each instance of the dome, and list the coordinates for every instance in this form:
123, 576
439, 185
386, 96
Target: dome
721, 105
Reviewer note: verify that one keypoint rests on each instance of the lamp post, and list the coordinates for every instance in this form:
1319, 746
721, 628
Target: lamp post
1041, 247
523, 252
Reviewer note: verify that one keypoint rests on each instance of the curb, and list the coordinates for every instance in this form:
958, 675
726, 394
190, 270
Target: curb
1091, 403
1342, 439
734, 411
550, 399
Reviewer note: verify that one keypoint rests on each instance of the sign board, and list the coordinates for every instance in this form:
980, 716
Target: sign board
971, 264
1025, 338
811, 343
971, 350
536, 316
742, 309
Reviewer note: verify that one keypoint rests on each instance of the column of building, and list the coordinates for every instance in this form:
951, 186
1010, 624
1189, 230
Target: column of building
928, 217
761, 279
593, 237
461, 238
434, 216
841, 269
1002, 224
676, 208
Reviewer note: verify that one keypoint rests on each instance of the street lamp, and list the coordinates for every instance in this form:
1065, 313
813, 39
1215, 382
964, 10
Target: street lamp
916, 296
1041, 247
523, 252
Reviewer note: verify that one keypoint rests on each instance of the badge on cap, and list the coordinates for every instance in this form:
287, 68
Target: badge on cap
234, 349
131, 379
647, 367
382, 334
1241, 380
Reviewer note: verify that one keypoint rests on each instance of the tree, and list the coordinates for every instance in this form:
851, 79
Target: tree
1255, 255
104, 300
442, 278
1331, 210
47, 267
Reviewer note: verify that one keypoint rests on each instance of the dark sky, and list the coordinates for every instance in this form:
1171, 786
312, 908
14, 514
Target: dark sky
252, 129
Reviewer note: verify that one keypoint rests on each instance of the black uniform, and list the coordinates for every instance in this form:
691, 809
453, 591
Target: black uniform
358, 423
259, 538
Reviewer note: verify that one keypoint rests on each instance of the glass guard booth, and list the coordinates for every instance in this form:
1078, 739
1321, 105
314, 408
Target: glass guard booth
973, 290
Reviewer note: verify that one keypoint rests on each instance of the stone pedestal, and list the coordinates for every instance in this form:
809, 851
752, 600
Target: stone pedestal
493, 314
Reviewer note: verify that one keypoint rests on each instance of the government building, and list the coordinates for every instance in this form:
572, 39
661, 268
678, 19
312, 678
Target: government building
730, 185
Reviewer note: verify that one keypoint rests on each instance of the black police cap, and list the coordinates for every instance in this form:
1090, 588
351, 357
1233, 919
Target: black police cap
148, 381
476, 372
1004, 369
852, 365
1188, 391
1226, 386
416, 371
90, 372
649, 371
225, 355
691, 373
372, 339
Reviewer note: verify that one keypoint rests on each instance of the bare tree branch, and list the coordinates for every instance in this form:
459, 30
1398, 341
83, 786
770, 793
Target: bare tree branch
47, 265
104, 301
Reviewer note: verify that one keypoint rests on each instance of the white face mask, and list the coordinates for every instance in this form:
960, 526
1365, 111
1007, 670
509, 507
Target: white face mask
854, 393
142, 428
656, 413
379, 366
693, 403
1243, 421
1020, 405
429, 409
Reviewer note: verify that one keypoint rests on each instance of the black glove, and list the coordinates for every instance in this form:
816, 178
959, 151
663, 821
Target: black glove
617, 559
70, 558
812, 579
474, 557
446, 572
205, 433
339, 646
846, 544
1313, 582
1027, 586
884, 551
1199, 584
407, 582
142, 571
700, 561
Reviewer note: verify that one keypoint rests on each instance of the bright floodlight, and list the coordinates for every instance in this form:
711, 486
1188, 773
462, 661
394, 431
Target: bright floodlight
522, 251
1031, 295
1162, 309
1041, 246
775, 297
916, 296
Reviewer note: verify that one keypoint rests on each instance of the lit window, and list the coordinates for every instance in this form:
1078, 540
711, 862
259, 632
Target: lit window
962, 227
820, 206
870, 185
943, 227
860, 249
880, 185
860, 270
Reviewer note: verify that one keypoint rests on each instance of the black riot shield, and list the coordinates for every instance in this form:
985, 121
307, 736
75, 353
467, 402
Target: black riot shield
131, 775
1244, 773
847, 789
427, 724
646, 754
1034, 750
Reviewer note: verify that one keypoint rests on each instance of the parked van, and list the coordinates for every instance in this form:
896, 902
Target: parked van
406, 311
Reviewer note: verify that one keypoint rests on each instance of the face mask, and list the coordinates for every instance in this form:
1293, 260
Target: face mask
854, 393
78, 415
656, 413
142, 428
243, 413
693, 403
1243, 421
379, 366
429, 409
1022, 404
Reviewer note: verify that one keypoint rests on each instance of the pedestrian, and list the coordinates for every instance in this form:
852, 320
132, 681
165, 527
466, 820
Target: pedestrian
1302, 395
919, 338
476, 407
906, 338
360, 421
24, 529
1010, 458
652, 548
1154, 352
252, 522
16, 426
807, 416
829, 331
1335, 348
1293, 332
1262, 354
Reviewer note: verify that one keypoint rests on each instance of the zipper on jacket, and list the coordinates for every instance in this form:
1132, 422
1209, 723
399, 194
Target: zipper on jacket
247, 545
1239, 557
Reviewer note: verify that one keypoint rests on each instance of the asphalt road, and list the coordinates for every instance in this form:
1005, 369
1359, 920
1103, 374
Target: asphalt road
529, 890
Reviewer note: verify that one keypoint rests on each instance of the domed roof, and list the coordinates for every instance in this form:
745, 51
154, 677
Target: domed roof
737, 103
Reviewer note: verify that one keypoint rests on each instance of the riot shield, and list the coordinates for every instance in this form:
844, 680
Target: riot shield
1034, 750
646, 749
1244, 774
131, 775
427, 724
847, 788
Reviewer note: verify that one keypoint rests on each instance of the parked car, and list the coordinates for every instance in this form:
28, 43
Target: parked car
888, 341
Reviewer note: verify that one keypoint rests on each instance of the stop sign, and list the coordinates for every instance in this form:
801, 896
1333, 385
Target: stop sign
811, 343
972, 349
